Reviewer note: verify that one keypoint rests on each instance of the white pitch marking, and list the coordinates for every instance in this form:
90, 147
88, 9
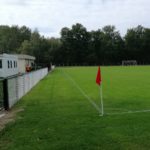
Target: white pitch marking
83, 93
93, 103
128, 112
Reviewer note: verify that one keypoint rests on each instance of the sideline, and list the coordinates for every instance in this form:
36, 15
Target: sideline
83, 93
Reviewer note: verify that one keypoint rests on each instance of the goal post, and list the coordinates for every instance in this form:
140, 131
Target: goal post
129, 62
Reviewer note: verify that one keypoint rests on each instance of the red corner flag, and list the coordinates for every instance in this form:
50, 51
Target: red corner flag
98, 77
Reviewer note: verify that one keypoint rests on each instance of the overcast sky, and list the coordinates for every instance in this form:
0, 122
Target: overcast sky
49, 16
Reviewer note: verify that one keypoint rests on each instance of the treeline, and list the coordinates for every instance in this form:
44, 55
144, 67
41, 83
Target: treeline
77, 46
22, 40
104, 46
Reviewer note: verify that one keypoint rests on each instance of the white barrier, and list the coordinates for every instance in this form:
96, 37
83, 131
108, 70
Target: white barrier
1, 95
18, 86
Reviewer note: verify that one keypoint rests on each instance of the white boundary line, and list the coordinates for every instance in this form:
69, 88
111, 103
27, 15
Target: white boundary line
83, 93
129, 112
95, 105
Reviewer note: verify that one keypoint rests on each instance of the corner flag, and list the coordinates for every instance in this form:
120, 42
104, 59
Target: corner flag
98, 77
98, 81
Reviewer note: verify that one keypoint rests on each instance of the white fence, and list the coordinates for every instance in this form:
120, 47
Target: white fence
1, 94
18, 86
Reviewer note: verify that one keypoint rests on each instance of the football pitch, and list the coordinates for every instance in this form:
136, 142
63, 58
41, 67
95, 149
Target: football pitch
63, 111
125, 89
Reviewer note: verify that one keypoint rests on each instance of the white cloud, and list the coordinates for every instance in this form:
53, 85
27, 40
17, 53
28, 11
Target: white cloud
49, 16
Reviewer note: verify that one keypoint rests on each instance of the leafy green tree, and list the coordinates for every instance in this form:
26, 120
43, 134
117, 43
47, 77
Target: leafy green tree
112, 45
53, 51
66, 40
95, 47
80, 42
25, 47
146, 47
12, 37
75, 43
24, 34
4, 36
134, 42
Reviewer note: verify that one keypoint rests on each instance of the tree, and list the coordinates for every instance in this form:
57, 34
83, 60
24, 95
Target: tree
146, 47
25, 47
4, 35
75, 43
112, 45
53, 51
134, 42
24, 34
95, 47
12, 37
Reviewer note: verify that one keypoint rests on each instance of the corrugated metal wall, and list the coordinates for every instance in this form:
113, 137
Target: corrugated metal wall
20, 85
1, 95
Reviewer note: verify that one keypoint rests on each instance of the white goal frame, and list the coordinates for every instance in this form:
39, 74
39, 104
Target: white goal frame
129, 63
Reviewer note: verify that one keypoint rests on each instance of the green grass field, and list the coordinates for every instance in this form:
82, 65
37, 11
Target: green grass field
59, 113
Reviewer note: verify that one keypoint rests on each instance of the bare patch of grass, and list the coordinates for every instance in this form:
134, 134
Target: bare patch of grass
8, 116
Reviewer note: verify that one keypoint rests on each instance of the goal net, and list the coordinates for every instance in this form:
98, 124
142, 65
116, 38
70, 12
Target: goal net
129, 62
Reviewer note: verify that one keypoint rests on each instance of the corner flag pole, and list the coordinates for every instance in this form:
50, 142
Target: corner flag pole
101, 96
99, 82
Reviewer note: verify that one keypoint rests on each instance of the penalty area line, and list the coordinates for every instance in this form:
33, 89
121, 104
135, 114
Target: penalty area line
81, 91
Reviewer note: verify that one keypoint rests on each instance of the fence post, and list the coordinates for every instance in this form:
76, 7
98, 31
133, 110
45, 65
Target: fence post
5, 88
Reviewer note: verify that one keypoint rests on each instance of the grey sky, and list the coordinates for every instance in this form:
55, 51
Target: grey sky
49, 16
